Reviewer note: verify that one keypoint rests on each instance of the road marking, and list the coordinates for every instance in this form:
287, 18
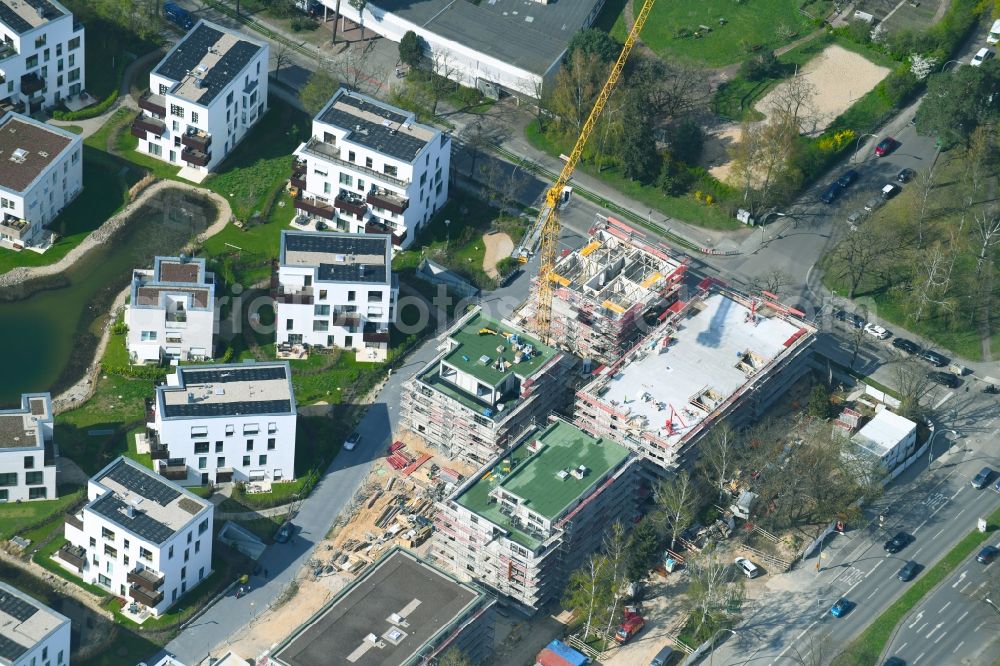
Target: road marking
958, 647
960, 489
978, 587
938, 639
980, 626
965, 586
877, 565
900, 648
938, 533
961, 577
872, 594
917, 619
944, 607
795, 640
919, 526
919, 657
917, 551
922, 627
960, 513
936, 627
944, 399
962, 617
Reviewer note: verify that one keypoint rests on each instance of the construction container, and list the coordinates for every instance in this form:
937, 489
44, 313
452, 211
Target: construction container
558, 653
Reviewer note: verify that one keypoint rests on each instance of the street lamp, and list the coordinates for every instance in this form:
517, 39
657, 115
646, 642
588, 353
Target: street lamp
948, 63
930, 447
711, 658
447, 230
857, 146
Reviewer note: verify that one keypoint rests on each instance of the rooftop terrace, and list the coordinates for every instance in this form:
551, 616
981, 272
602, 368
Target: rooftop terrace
24, 622
363, 258
373, 124
19, 427
21, 16
27, 148
473, 349
227, 390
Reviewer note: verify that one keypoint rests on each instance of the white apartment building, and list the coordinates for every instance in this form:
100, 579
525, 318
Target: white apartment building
171, 313
335, 290
222, 423
204, 96
27, 451
41, 57
140, 537
370, 167
41, 172
31, 634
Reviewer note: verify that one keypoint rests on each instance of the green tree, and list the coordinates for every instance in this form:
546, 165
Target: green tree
454, 657
958, 102
637, 146
819, 402
674, 179
763, 66
686, 140
577, 86
410, 51
594, 42
644, 545
589, 593
317, 91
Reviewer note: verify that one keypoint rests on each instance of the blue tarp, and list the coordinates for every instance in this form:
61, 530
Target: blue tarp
566, 653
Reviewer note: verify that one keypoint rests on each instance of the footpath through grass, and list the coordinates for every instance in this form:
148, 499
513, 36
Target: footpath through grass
867, 648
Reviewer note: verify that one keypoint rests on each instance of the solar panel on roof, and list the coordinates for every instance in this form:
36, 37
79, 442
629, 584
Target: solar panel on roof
335, 243
115, 510
12, 20
239, 374
10, 650
16, 607
351, 273
142, 483
228, 408
386, 140
192, 50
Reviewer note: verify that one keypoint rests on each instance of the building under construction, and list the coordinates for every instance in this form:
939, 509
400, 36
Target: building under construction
609, 292
721, 355
490, 383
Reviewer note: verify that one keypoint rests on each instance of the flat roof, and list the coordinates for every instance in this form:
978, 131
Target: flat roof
522, 33
24, 623
386, 129
532, 475
159, 508
19, 427
473, 349
27, 148
339, 257
713, 351
401, 601
236, 389
884, 432
207, 60
21, 16
172, 275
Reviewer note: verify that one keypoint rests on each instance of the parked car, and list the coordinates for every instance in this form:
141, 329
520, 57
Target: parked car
908, 571
944, 379
840, 608
982, 55
284, 533
874, 203
178, 15
831, 193
889, 190
986, 555
897, 543
856, 218
876, 331
886, 146
909, 346
663, 657
905, 176
352, 441
749, 569
980, 480
996, 486
857, 321
934, 358
847, 178
894, 661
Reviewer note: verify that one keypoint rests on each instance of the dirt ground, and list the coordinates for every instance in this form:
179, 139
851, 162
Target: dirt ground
498, 246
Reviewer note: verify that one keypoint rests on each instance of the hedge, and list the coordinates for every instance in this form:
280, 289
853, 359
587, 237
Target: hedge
90, 111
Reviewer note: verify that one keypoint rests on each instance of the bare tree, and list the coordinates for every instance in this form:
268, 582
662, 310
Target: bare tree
360, 5
356, 68
616, 547
280, 55
510, 187
676, 498
988, 234
794, 99
718, 456
445, 70
859, 253
932, 271
672, 89
912, 384
587, 590
714, 591
924, 185
856, 336
477, 136
774, 280
978, 158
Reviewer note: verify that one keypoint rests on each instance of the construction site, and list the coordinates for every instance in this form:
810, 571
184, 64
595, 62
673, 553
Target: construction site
608, 293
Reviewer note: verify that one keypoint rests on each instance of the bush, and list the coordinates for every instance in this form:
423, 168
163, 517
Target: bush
300, 23
90, 111
685, 140
507, 265
762, 66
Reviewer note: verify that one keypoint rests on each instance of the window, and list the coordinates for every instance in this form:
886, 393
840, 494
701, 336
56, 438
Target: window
184, 572
262, 459
368, 162
32, 61
203, 526
177, 110
110, 552
361, 185
289, 324
29, 462
272, 427
423, 179
202, 462
145, 554
33, 478
103, 580
9, 479
270, 443
93, 542
107, 534
251, 428
346, 179
350, 155
375, 297
249, 445
246, 461
170, 553
4, 495
220, 461
199, 431
201, 447
73, 43
230, 430
187, 554
352, 295
229, 98
321, 325
148, 336
74, 74
37, 493
321, 310
390, 170
125, 544
197, 546
218, 447
194, 116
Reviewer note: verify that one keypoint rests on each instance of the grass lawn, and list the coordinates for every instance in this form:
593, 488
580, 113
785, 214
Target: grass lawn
20, 519
750, 26
867, 648
264, 527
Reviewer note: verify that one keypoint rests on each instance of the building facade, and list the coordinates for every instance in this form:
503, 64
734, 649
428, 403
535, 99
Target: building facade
27, 450
31, 634
490, 383
41, 172
888, 438
204, 97
171, 312
41, 56
223, 423
533, 513
335, 290
370, 167
140, 536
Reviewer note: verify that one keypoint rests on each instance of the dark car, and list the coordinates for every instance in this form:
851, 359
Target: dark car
284, 533
908, 346
831, 193
178, 15
934, 358
986, 555
909, 571
897, 543
847, 178
944, 379
980, 480
885, 146
894, 661
905, 176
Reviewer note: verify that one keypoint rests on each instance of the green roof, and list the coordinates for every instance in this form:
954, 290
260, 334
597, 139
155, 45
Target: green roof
472, 346
532, 476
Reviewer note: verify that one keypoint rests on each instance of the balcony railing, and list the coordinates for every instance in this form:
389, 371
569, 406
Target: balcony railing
224, 475
147, 579
143, 124
31, 83
197, 139
173, 469
388, 200
298, 180
301, 297
73, 555
74, 521
315, 207
195, 157
154, 104
15, 228
375, 336
331, 153
352, 203
145, 598
7, 50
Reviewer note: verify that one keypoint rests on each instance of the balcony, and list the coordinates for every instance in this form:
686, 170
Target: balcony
195, 157
155, 104
15, 228
372, 334
331, 153
145, 598
298, 180
300, 297
73, 555
399, 238
74, 521
315, 207
197, 139
147, 579
346, 319
176, 319
224, 475
174, 469
144, 124
31, 83
7, 50
351, 203
388, 200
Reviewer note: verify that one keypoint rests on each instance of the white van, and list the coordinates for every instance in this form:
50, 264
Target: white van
994, 35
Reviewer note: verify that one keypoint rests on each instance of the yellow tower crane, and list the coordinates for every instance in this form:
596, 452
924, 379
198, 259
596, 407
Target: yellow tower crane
548, 219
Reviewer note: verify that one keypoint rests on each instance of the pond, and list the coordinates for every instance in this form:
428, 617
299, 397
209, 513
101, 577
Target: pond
50, 326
